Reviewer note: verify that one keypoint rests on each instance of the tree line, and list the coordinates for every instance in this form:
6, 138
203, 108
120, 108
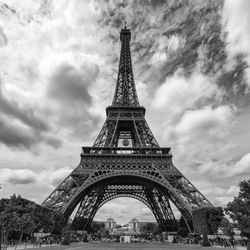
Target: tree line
21, 216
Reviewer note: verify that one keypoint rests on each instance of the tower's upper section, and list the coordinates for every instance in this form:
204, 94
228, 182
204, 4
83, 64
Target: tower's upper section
125, 92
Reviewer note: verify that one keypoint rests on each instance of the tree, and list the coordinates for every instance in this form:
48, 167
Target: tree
97, 226
182, 228
150, 227
17, 215
80, 223
239, 208
24, 216
43, 219
227, 227
206, 221
59, 223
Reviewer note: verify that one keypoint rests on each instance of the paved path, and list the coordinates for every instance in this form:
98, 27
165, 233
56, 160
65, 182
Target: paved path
122, 246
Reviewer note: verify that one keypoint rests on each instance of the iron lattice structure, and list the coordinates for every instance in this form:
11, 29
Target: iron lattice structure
126, 161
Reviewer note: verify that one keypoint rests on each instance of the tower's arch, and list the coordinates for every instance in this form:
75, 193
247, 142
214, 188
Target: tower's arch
145, 187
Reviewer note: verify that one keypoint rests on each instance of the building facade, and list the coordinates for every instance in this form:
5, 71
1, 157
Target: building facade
110, 224
133, 227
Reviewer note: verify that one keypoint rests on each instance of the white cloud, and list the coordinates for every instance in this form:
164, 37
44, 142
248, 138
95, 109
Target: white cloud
229, 171
236, 19
159, 58
26, 176
201, 135
166, 47
207, 124
221, 196
54, 177
242, 167
185, 119
178, 94
41, 37
17, 176
220, 192
142, 92
175, 42
198, 138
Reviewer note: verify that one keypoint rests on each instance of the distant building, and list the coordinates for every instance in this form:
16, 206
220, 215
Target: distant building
236, 234
110, 224
134, 226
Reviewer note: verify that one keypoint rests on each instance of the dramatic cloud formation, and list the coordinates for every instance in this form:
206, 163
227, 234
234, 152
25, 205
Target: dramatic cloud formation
59, 62
237, 17
18, 176
179, 93
25, 126
203, 128
67, 84
241, 167
15, 135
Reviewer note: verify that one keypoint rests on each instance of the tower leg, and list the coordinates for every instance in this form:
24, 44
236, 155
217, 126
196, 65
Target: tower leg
155, 207
170, 220
88, 208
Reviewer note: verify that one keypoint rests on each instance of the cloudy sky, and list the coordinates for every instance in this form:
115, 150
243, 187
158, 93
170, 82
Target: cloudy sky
58, 70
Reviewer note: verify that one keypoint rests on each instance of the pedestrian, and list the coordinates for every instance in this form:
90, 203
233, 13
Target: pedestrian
40, 242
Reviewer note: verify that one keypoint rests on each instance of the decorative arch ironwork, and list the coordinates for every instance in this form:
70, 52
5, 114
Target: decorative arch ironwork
91, 196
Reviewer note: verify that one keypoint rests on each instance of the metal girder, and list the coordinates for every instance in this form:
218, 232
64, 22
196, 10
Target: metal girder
145, 134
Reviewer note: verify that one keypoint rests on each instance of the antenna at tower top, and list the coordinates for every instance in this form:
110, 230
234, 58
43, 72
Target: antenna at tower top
125, 24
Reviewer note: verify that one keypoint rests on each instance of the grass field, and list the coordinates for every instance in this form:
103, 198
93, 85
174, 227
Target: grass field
123, 246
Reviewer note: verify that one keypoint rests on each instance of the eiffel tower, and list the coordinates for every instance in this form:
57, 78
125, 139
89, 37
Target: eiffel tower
126, 161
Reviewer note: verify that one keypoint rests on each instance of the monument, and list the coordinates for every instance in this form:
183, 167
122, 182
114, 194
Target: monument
126, 161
